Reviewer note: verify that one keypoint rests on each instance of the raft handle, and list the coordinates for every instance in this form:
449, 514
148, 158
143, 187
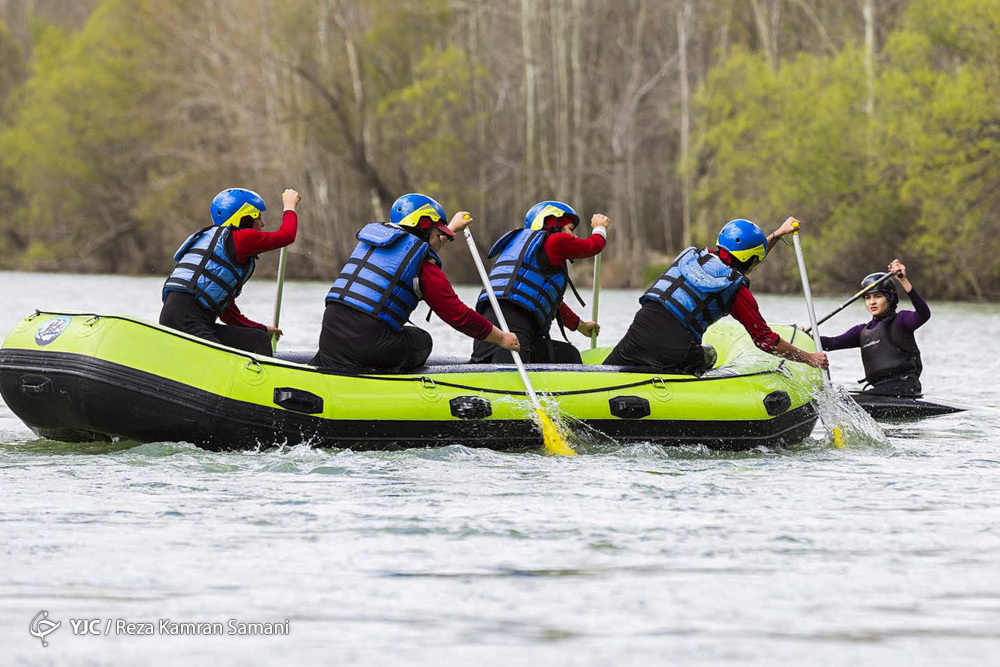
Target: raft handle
36, 385
92, 320
470, 407
629, 407
298, 400
777, 402
254, 366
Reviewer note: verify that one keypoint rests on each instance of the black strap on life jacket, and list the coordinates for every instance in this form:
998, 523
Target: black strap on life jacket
198, 270
414, 249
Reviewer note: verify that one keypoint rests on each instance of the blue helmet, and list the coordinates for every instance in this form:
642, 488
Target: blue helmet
230, 206
409, 209
744, 240
537, 215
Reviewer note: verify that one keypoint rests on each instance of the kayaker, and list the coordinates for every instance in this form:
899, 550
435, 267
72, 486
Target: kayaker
889, 349
529, 277
700, 287
393, 267
215, 262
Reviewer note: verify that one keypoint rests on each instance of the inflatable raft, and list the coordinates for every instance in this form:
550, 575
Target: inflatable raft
87, 376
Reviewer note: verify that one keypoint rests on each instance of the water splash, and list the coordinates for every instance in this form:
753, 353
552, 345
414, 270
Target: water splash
845, 424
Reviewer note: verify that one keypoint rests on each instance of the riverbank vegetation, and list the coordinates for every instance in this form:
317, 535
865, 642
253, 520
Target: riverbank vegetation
876, 122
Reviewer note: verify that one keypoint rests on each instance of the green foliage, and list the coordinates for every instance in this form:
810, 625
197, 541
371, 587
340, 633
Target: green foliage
790, 142
113, 136
915, 179
429, 125
75, 138
12, 73
942, 139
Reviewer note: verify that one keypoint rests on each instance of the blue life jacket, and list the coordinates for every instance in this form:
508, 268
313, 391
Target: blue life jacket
698, 289
382, 275
207, 267
522, 275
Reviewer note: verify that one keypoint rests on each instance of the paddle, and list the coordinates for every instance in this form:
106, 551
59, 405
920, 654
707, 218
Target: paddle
597, 293
277, 299
862, 292
554, 443
838, 438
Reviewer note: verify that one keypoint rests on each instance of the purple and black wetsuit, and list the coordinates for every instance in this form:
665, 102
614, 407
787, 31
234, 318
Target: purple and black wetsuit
888, 348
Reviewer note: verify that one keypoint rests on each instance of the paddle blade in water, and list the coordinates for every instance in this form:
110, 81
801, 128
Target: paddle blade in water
838, 438
555, 445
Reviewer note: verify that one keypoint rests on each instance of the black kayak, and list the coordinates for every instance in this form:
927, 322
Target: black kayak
902, 407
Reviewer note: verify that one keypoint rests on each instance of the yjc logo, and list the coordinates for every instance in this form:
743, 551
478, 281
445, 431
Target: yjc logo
42, 626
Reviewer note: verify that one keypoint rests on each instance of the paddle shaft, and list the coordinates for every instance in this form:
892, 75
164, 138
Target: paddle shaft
862, 292
500, 318
282, 258
809, 299
597, 294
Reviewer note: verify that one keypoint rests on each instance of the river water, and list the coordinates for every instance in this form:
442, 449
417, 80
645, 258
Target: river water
885, 552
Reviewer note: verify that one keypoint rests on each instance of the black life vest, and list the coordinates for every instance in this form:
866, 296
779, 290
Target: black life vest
888, 350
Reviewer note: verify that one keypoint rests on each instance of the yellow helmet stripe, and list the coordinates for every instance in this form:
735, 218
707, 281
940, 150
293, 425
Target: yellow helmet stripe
746, 255
412, 219
246, 209
539, 220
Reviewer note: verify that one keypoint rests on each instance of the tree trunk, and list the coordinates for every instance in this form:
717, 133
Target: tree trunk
562, 103
767, 16
579, 135
869, 13
530, 116
683, 25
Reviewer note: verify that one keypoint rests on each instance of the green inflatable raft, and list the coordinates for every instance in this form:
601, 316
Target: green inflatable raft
87, 376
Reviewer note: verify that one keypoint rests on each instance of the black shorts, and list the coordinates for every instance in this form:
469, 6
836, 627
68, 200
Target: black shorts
655, 338
536, 345
182, 311
355, 340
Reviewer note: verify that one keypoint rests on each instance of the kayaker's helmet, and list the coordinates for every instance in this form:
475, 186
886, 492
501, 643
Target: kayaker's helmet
550, 216
886, 288
231, 206
745, 241
418, 214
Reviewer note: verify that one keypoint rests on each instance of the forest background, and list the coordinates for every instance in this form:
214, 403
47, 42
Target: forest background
876, 122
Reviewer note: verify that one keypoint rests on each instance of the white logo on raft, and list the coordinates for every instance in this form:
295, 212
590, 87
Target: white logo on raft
49, 331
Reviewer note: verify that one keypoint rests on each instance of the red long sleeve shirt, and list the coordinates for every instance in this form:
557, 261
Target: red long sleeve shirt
746, 311
559, 248
440, 296
251, 242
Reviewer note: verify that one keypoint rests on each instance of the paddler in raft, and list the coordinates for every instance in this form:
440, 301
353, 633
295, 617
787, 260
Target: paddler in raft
215, 262
394, 266
889, 349
700, 287
529, 276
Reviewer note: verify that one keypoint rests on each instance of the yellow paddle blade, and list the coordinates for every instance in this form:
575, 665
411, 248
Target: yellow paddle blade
838, 438
554, 443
